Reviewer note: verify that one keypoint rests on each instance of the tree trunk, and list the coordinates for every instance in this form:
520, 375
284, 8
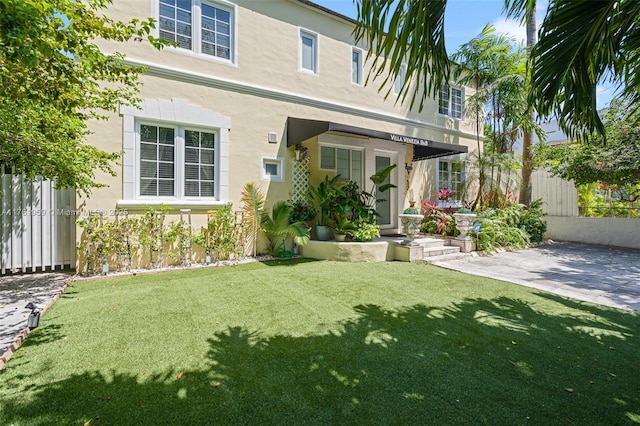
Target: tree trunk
527, 139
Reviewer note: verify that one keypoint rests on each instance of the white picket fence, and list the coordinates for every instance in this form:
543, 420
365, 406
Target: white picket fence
37, 224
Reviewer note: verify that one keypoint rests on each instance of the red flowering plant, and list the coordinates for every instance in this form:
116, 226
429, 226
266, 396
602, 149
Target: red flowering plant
444, 194
437, 221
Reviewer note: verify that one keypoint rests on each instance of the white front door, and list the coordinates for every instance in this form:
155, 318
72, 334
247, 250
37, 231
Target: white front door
386, 204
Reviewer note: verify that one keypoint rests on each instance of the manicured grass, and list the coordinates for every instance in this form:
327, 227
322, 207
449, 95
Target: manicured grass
301, 342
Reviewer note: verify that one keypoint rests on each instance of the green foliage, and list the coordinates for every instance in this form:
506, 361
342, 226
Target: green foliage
411, 210
512, 227
221, 237
277, 228
601, 200
253, 201
326, 198
153, 234
54, 77
365, 231
580, 43
343, 226
113, 240
301, 212
179, 237
614, 161
438, 222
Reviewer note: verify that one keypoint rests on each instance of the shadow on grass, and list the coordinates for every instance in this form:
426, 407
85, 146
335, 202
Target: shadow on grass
288, 261
481, 361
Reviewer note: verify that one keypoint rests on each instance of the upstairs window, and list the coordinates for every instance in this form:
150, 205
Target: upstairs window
399, 81
308, 51
450, 102
202, 27
356, 66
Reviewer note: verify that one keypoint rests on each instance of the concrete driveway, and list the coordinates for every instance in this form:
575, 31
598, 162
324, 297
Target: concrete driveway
604, 275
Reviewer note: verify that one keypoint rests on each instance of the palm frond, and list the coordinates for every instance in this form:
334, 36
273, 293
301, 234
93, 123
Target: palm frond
413, 38
253, 201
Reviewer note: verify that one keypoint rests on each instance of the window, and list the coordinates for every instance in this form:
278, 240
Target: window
199, 163
202, 27
273, 169
309, 51
399, 81
356, 66
157, 161
176, 162
451, 175
450, 102
343, 161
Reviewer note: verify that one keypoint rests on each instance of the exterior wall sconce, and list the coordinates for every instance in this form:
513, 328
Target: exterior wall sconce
408, 167
33, 320
301, 153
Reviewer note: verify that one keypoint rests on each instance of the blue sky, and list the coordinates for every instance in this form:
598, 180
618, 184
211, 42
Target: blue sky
465, 19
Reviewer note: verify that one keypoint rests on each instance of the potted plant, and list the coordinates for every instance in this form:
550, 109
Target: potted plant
464, 221
342, 227
410, 220
325, 197
301, 211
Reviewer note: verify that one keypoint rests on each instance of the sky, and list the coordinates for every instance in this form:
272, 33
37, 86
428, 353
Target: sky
464, 19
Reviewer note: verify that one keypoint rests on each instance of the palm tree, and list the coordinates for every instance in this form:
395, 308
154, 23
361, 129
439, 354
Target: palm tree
277, 228
526, 11
580, 43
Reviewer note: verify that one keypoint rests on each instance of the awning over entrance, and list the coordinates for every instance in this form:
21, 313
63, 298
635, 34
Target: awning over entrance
301, 129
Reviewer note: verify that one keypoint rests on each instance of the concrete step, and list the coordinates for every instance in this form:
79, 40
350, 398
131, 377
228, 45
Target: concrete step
428, 242
446, 257
439, 251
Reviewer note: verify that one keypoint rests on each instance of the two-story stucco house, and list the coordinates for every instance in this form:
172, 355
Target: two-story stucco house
271, 92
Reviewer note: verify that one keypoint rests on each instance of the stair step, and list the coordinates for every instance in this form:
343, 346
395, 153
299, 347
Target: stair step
439, 251
446, 257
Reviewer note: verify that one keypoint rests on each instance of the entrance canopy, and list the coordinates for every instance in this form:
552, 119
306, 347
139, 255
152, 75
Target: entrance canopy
301, 129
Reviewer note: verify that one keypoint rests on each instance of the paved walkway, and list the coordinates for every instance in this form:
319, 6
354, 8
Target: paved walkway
15, 292
602, 275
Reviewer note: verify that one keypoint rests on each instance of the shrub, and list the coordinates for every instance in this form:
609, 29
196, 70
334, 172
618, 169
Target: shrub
365, 231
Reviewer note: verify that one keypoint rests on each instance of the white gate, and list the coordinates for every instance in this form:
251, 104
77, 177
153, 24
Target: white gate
37, 225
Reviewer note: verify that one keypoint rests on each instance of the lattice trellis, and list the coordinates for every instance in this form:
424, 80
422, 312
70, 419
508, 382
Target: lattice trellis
300, 180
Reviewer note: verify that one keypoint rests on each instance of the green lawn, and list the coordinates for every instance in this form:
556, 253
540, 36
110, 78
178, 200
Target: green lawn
302, 342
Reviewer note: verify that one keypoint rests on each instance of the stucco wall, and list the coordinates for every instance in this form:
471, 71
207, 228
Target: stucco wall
595, 230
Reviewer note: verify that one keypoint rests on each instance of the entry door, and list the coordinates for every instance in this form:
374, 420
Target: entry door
384, 208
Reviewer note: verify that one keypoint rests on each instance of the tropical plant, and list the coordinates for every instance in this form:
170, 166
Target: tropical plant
343, 225
152, 234
440, 223
326, 198
580, 43
221, 237
301, 211
253, 201
277, 228
365, 231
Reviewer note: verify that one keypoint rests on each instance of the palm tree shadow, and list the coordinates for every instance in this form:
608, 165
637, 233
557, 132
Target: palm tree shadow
478, 361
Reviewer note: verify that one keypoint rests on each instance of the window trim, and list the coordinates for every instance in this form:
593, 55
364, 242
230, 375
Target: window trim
461, 158
360, 66
264, 176
450, 106
316, 51
335, 156
196, 32
403, 74
177, 114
